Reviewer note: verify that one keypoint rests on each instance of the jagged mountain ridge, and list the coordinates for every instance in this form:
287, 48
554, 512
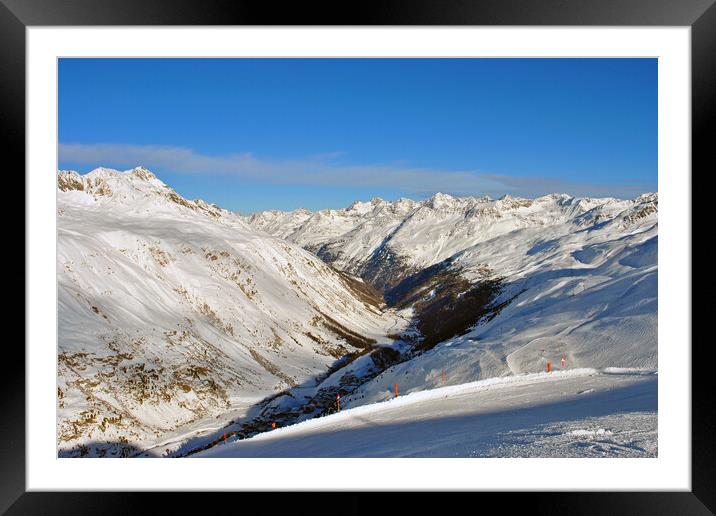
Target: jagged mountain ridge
173, 312
384, 242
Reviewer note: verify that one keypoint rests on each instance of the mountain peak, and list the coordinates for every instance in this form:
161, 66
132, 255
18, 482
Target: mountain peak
102, 173
142, 173
365, 206
440, 200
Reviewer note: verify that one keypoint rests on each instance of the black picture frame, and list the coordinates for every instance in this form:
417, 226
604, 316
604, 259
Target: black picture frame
17, 15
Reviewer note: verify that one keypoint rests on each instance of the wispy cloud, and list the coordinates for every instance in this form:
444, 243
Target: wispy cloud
324, 170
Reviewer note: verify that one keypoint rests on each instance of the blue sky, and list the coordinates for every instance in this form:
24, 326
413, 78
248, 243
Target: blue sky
254, 134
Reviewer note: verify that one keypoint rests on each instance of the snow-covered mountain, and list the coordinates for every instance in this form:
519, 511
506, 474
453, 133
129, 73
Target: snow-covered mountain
384, 241
498, 287
173, 313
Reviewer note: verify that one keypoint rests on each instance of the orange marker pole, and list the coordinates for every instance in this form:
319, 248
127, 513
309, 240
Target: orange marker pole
443, 376
549, 366
396, 390
224, 437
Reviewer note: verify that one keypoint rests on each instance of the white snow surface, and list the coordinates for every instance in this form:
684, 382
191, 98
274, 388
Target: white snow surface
532, 415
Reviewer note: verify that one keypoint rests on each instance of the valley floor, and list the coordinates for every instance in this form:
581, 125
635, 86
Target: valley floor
573, 413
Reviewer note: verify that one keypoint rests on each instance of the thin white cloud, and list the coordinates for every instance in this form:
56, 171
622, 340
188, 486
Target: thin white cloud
324, 171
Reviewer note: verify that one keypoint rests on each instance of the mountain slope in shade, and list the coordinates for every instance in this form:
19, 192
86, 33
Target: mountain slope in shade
174, 312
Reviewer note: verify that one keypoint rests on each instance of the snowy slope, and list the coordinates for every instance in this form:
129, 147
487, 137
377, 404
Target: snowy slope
578, 413
175, 312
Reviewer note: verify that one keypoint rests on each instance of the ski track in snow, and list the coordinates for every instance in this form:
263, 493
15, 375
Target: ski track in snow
534, 415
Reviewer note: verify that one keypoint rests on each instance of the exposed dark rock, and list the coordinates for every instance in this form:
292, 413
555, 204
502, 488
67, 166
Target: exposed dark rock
385, 357
446, 304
